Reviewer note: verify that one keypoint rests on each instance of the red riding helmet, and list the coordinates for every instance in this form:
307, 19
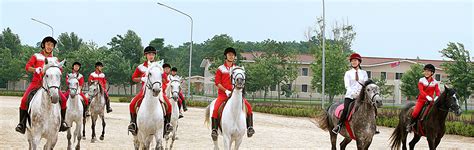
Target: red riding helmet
355, 56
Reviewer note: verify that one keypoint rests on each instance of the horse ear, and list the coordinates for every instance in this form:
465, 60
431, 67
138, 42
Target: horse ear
62, 63
243, 68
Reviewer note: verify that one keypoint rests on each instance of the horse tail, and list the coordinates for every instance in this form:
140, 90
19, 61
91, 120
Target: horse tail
207, 115
399, 133
323, 121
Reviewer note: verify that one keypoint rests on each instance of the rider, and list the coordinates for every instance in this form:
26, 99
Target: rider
76, 66
224, 85
353, 81
427, 86
35, 65
139, 76
169, 128
99, 76
181, 101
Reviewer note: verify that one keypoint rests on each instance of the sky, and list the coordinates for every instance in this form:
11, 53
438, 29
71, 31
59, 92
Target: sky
385, 28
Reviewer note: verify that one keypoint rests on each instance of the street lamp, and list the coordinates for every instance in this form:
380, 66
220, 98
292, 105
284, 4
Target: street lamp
52, 30
324, 59
190, 47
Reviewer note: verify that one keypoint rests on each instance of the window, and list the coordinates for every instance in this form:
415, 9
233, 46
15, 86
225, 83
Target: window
369, 74
273, 88
398, 76
304, 71
438, 77
304, 88
383, 75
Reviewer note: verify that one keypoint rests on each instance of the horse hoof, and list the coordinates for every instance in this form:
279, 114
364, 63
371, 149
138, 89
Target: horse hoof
78, 147
93, 140
101, 137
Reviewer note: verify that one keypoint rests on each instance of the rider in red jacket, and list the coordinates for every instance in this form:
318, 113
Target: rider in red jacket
35, 65
99, 76
76, 66
181, 101
224, 84
427, 87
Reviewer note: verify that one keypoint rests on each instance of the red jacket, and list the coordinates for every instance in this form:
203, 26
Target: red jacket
79, 76
165, 81
223, 77
427, 87
140, 71
100, 77
37, 60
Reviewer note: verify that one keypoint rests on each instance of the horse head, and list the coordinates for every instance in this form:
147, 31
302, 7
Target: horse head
370, 94
154, 77
94, 89
73, 85
52, 78
448, 101
175, 83
238, 77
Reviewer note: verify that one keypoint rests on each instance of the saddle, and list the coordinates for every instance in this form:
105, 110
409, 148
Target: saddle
340, 108
426, 109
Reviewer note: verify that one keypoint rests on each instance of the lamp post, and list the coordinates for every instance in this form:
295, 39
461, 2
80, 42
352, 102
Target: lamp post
190, 47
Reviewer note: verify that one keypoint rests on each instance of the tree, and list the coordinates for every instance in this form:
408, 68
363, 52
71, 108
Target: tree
410, 79
129, 45
69, 43
12, 68
460, 71
337, 50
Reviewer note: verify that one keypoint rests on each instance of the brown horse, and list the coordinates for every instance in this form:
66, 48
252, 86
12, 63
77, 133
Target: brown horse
362, 122
433, 126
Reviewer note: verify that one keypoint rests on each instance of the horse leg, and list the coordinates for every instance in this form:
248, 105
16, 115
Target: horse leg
333, 140
69, 138
344, 143
84, 128
103, 127
216, 145
174, 136
431, 142
159, 141
136, 144
238, 141
438, 140
94, 118
77, 134
227, 142
404, 140
36, 141
415, 140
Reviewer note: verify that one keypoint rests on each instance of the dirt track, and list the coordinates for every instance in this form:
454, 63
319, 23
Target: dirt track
272, 132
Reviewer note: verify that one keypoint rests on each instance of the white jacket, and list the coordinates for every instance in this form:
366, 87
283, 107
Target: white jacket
352, 86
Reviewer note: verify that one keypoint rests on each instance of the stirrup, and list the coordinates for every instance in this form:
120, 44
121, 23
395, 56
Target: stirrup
214, 134
20, 128
63, 127
250, 131
336, 129
132, 128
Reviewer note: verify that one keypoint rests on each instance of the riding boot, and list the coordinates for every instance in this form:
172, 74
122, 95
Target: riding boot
168, 127
214, 125
180, 114
107, 103
132, 127
64, 126
340, 124
21, 127
412, 122
185, 108
250, 130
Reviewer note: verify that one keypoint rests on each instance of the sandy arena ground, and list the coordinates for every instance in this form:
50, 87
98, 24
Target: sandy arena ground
272, 132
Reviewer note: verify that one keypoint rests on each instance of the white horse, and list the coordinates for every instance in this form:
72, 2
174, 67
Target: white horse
44, 110
233, 125
74, 111
173, 90
97, 105
150, 115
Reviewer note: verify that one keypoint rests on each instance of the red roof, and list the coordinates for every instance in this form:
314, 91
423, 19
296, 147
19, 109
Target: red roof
308, 58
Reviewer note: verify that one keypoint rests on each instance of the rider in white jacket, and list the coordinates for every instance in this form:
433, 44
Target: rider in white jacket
353, 81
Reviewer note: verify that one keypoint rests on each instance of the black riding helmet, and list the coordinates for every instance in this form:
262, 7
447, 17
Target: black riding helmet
77, 63
430, 67
99, 64
149, 49
166, 65
229, 50
48, 39
174, 69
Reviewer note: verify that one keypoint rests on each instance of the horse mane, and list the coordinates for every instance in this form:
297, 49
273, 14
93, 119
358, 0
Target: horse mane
362, 91
441, 97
